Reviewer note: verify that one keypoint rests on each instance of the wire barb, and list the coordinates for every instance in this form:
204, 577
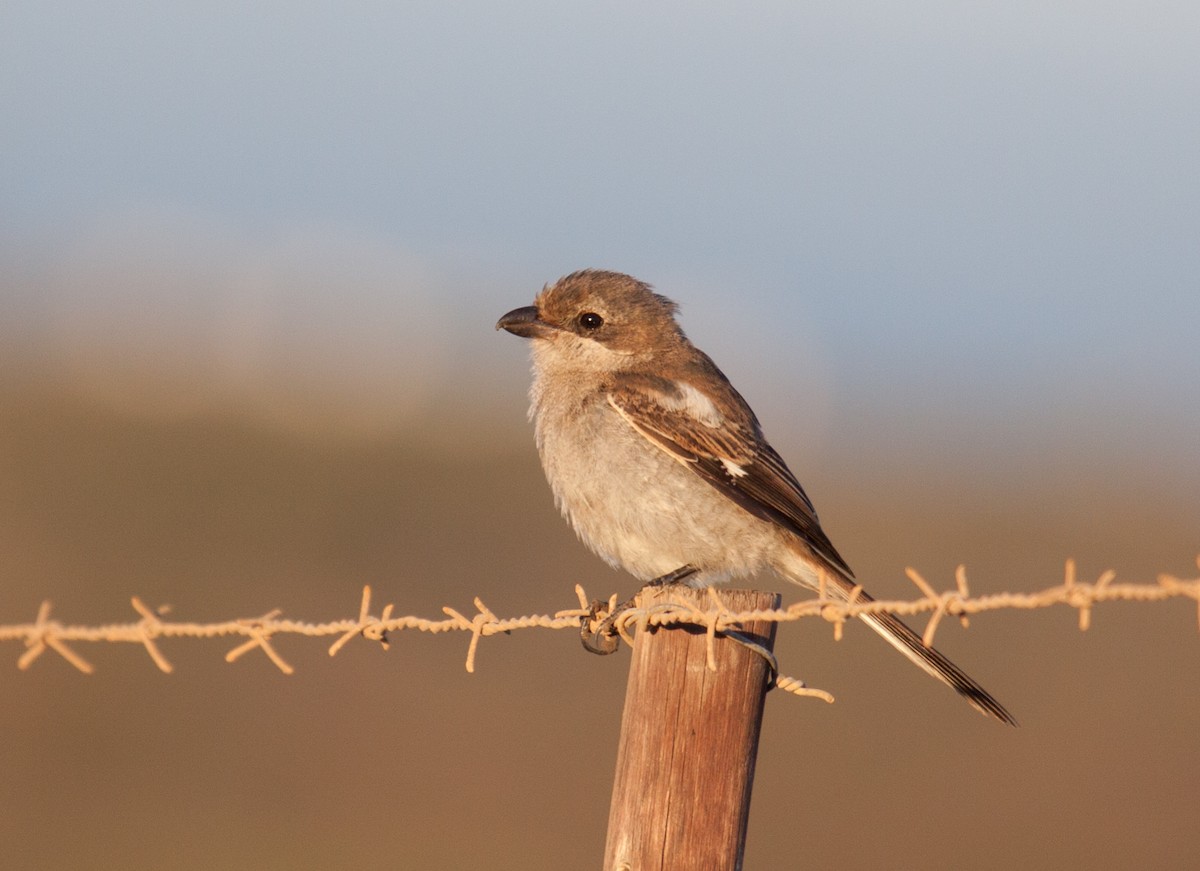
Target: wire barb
151, 627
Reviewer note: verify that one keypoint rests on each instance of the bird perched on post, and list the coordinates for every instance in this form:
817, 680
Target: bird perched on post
662, 468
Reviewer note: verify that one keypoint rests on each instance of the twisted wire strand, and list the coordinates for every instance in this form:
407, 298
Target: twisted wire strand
258, 633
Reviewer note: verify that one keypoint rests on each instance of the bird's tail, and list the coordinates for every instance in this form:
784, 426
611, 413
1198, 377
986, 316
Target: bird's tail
840, 586
932, 661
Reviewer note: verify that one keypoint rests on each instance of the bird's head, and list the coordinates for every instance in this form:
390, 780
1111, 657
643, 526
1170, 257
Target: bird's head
596, 319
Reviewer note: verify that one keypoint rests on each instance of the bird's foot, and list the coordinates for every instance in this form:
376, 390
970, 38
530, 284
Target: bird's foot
604, 640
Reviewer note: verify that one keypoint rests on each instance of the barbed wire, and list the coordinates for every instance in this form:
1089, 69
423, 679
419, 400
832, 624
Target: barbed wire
46, 633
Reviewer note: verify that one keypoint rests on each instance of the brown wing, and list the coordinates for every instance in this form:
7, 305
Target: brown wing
726, 450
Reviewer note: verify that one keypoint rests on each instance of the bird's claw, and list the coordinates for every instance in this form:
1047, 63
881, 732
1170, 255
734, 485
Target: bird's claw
604, 639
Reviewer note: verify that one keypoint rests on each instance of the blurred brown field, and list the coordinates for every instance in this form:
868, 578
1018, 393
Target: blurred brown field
402, 759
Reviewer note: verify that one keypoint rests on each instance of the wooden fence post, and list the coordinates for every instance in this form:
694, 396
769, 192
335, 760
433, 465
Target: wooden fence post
689, 736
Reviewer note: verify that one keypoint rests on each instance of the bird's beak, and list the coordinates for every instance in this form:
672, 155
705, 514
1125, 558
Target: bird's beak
524, 322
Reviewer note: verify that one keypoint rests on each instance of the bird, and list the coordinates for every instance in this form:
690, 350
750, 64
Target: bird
661, 467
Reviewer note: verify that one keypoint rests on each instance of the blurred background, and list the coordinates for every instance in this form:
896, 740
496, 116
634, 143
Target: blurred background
250, 263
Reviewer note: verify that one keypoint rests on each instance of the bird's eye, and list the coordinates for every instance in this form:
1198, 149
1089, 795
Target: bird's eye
591, 321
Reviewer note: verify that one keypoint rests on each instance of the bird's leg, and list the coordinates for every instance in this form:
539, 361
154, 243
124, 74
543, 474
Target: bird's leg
673, 577
604, 640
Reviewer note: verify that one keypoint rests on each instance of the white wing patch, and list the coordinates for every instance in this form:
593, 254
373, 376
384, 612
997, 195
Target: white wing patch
693, 403
734, 470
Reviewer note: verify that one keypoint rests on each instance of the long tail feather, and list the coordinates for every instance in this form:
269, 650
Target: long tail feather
929, 659
932, 661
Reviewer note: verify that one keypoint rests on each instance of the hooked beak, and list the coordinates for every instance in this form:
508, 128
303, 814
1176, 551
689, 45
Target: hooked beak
524, 322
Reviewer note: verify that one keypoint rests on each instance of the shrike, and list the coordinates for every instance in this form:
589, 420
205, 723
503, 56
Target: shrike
660, 465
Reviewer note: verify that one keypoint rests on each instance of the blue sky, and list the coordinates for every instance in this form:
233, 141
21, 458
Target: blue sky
966, 209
